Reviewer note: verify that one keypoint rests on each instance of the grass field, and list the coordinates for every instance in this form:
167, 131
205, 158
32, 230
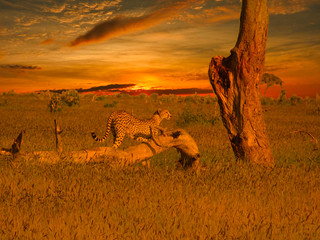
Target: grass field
225, 200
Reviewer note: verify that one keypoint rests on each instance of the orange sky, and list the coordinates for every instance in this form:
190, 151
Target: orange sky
153, 44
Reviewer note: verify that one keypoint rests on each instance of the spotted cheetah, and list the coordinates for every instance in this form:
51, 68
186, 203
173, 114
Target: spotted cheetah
122, 123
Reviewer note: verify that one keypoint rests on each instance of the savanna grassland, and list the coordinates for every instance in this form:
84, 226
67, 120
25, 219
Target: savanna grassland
224, 200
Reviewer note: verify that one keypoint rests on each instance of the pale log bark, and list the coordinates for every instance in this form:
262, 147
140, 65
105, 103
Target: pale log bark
178, 139
235, 81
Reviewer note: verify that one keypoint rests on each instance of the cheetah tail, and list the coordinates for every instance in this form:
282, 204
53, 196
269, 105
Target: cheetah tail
94, 136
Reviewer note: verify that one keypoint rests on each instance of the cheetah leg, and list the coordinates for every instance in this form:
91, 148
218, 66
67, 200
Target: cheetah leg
118, 140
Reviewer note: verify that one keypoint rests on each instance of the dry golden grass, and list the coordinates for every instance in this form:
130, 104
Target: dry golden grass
226, 200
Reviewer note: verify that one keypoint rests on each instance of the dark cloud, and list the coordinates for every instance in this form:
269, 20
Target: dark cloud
190, 76
180, 91
125, 88
47, 41
19, 67
107, 88
121, 25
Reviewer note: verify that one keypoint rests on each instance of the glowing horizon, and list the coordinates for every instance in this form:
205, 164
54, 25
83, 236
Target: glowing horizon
166, 44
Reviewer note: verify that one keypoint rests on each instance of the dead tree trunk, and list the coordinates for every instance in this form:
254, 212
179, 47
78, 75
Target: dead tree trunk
236, 79
178, 139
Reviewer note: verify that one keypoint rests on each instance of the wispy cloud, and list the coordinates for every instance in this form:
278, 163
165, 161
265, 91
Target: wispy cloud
55, 9
19, 67
189, 76
47, 41
121, 25
27, 21
214, 14
289, 6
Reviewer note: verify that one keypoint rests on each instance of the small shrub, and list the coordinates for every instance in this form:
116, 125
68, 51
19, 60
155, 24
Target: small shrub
266, 100
101, 98
110, 105
317, 99
10, 93
154, 97
123, 95
55, 104
283, 96
4, 102
164, 98
189, 99
209, 99
71, 98
143, 96
198, 115
294, 100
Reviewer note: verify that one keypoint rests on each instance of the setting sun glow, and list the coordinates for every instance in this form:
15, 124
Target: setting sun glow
74, 44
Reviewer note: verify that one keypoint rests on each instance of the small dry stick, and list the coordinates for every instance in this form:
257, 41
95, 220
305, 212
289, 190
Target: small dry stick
316, 145
58, 132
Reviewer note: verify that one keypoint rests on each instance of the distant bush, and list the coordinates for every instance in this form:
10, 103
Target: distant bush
180, 99
294, 100
143, 96
317, 99
154, 97
123, 95
10, 93
4, 102
283, 96
208, 99
266, 100
55, 104
189, 99
109, 105
101, 98
192, 115
71, 98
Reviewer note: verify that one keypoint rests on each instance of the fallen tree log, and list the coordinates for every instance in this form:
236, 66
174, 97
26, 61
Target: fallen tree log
178, 139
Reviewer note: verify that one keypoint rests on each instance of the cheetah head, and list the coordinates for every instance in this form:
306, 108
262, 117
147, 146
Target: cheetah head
163, 113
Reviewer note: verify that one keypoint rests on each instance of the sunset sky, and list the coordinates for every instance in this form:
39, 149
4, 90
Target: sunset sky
54, 44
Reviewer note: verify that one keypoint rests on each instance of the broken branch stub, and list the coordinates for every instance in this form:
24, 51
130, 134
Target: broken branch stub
15, 147
184, 144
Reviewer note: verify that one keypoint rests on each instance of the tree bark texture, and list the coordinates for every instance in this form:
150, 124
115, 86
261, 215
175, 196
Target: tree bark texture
236, 79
